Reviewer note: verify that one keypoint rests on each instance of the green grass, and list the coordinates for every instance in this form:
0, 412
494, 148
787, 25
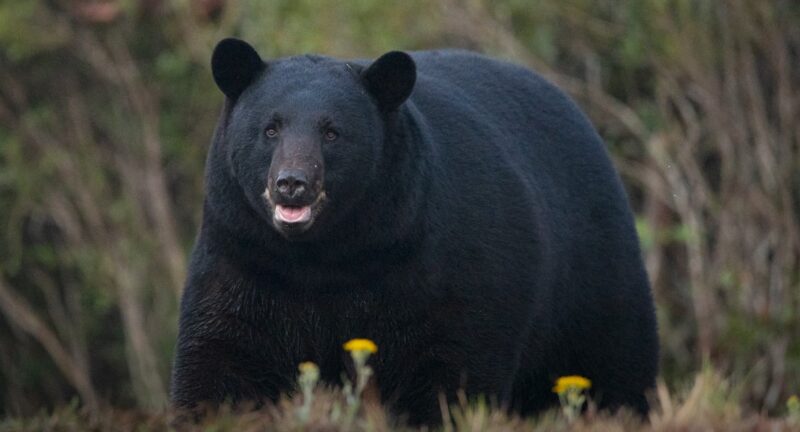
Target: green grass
710, 403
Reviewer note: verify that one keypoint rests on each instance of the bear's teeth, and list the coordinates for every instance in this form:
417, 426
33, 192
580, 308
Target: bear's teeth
292, 214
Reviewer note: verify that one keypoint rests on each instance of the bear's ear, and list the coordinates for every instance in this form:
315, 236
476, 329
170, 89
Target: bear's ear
235, 64
390, 79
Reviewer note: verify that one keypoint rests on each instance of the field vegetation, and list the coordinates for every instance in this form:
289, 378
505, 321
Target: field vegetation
107, 109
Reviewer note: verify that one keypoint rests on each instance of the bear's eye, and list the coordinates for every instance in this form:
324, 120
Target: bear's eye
331, 135
271, 132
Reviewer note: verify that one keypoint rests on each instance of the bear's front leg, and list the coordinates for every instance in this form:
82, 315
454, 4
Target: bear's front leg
207, 373
223, 354
444, 370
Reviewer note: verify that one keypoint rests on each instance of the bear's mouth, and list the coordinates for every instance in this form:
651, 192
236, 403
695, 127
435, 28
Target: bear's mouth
293, 218
292, 214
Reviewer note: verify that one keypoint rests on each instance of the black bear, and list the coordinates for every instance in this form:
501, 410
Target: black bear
459, 211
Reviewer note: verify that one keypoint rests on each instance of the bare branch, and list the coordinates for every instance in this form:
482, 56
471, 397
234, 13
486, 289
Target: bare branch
20, 314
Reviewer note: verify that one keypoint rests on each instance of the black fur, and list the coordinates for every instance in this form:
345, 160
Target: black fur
476, 231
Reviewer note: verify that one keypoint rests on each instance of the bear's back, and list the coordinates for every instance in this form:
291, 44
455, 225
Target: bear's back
505, 91
497, 120
512, 111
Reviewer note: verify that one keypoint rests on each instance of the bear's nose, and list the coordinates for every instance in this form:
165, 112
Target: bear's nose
291, 182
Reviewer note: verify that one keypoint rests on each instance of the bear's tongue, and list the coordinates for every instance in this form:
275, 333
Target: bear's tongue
292, 214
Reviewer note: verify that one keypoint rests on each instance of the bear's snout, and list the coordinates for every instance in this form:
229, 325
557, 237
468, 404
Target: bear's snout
294, 191
291, 183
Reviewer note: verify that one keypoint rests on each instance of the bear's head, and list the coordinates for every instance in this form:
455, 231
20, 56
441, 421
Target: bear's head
304, 136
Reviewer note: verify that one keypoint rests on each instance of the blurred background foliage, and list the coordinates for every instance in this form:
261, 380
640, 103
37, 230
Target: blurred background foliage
107, 108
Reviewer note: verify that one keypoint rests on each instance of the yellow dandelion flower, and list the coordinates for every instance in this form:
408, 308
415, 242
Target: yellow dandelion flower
793, 403
576, 382
361, 345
